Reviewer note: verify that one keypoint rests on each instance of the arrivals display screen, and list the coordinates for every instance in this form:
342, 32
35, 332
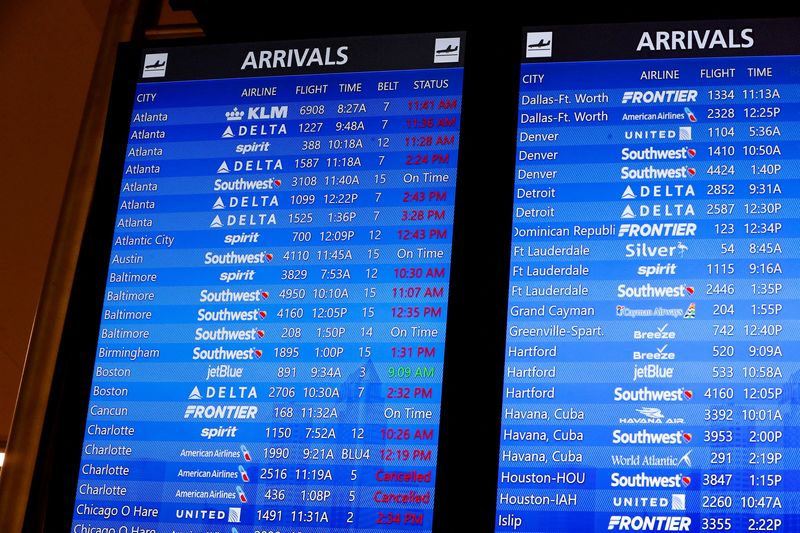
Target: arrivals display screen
272, 339
651, 369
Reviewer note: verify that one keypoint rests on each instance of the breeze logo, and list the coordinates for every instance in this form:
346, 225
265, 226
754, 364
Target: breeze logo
660, 354
649, 523
656, 334
659, 97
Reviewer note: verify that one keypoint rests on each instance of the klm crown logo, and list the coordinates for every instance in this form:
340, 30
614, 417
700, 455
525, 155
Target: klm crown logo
234, 114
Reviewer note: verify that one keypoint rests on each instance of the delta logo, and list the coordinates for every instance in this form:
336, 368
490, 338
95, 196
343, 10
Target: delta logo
658, 210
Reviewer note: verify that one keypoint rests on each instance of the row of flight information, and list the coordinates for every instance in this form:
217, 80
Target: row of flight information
271, 349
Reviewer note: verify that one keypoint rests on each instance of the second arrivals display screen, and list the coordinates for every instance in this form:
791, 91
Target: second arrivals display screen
268, 351
651, 358
272, 339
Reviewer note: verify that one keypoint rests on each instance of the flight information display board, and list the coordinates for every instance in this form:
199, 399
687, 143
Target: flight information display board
272, 340
651, 369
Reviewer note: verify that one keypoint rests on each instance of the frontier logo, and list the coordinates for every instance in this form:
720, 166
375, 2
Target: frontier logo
669, 229
659, 97
649, 523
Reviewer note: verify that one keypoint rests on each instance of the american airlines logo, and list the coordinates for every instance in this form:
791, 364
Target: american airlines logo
649, 523
659, 97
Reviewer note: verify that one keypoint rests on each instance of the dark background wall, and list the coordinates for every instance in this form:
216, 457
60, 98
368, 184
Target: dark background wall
47, 52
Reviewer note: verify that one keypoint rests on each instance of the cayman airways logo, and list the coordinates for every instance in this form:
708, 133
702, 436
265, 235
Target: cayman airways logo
695, 39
